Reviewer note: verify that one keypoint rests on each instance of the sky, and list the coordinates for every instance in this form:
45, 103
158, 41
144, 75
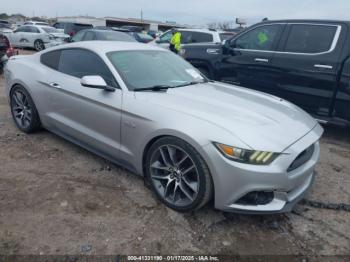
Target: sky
193, 12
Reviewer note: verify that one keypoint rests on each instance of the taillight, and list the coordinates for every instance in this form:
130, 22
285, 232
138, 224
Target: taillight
72, 33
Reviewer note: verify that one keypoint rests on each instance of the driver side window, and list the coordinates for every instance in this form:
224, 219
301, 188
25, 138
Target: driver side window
260, 38
79, 62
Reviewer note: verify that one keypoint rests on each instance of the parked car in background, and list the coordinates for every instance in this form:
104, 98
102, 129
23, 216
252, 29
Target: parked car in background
141, 37
37, 37
304, 61
153, 33
132, 28
149, 110
104, 35
190, 36
5, 28
71, 28
6, 50
40, 23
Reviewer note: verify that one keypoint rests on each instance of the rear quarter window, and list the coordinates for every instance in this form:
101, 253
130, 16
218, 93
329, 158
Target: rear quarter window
51, 59
310, 39
198, 37
188, 37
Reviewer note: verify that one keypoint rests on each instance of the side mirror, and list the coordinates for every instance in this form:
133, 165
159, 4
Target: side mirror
96, 82
228, 44
228, 47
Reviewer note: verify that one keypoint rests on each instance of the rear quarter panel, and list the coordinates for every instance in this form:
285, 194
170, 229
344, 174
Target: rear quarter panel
27, 71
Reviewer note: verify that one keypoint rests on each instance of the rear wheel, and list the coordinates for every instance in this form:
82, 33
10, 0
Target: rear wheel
23, 110
39, 45
178, 174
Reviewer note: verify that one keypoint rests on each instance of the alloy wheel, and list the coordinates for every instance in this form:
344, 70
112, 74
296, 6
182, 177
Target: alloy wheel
174, 175
21, 109
39, 45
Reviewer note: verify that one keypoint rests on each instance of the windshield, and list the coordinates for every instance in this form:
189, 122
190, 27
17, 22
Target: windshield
145, 36
50, 29
116, 36
147, 68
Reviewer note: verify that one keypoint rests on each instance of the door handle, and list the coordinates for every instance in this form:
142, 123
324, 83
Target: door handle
55, 85
264, 60
323, 66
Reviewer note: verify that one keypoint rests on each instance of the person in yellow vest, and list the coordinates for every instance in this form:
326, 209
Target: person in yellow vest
175, 42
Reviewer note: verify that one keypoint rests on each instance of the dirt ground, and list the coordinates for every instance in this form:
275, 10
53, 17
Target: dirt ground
56, 198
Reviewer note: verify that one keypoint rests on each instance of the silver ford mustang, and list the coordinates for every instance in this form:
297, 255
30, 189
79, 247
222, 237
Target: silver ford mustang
150, 111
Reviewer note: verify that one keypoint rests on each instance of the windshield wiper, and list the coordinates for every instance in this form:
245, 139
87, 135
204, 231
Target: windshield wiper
166, 87
191, 83
154, 88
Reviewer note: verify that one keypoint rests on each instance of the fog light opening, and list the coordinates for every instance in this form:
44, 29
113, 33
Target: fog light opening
256, 199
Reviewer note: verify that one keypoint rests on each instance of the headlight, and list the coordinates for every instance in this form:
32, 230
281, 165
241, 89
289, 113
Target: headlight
49, 37
246, 156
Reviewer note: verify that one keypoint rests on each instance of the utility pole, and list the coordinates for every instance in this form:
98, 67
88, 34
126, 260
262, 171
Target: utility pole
141, 16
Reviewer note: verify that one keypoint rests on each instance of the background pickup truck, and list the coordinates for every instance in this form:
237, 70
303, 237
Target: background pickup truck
306, 62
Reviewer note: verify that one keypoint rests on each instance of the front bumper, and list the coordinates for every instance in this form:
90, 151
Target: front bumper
53, 43
233, 180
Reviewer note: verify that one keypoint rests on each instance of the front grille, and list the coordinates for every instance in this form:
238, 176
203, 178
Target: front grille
302, 158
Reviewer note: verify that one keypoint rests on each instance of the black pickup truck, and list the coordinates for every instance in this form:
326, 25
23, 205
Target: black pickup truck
304, 61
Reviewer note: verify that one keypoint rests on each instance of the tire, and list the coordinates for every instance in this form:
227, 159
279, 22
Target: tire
39, 45
169, 173
23, 110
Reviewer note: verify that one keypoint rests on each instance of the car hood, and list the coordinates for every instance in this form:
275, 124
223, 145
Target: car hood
262, 121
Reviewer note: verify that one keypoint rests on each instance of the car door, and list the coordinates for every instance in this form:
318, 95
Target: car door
87, 115
16, 36
31, 34
307, 65
247, 59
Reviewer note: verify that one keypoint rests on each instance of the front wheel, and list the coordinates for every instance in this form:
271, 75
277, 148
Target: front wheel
178, 174
39, 45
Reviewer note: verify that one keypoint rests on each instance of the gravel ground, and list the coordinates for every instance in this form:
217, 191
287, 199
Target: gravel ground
56, 198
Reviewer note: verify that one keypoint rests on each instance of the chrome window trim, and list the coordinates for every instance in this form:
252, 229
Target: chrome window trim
333, 45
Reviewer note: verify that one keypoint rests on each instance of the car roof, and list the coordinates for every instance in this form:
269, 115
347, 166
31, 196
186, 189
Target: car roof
318, 21
44, 26
103, 47
198, 30
101, 30
35, 22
